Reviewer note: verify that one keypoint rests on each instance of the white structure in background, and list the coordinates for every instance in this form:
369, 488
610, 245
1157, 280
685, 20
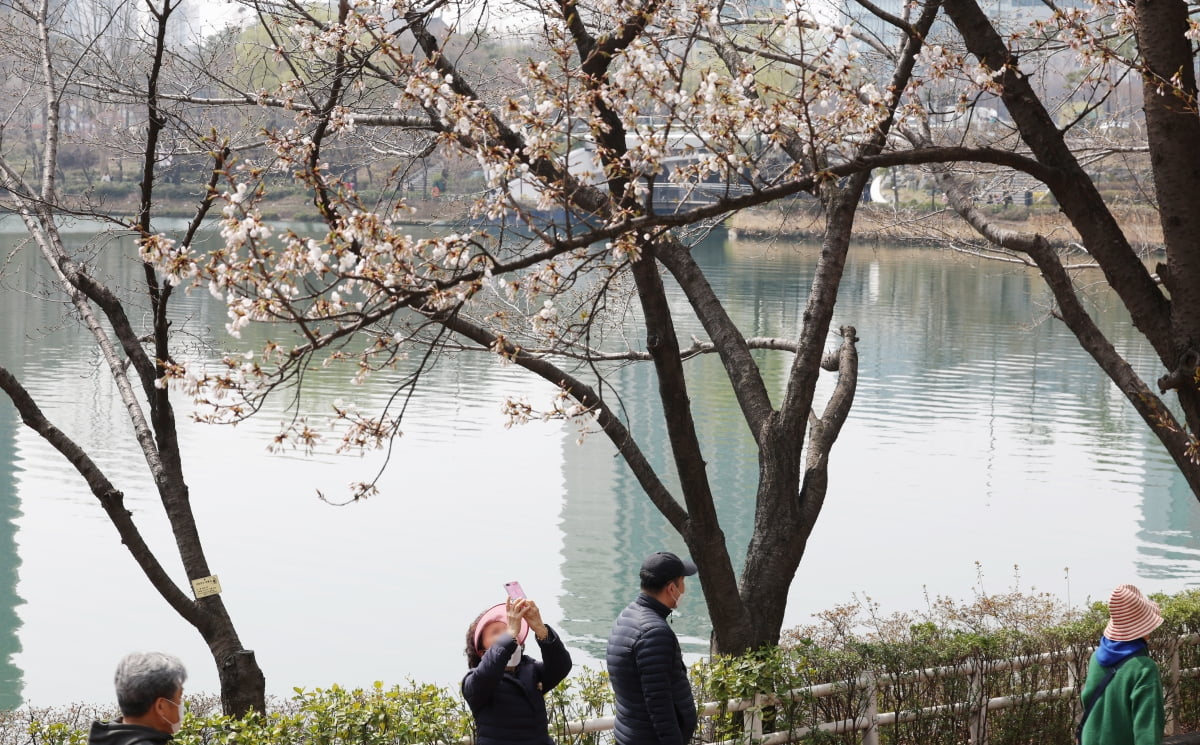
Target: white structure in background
123, 20
669, 194
1007, 14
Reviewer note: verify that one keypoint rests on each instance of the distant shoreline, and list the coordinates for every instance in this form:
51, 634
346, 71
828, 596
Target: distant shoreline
797, 220
882, 224
287, 208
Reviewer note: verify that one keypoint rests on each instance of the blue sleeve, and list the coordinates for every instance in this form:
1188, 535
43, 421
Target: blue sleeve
480, 683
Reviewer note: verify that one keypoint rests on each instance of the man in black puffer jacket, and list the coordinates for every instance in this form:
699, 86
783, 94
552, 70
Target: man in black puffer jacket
645, 665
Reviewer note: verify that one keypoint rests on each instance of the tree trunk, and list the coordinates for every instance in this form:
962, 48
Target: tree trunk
788, 511
703, 534
243, 686
778, 544
785, 512
775, 549
1172, 132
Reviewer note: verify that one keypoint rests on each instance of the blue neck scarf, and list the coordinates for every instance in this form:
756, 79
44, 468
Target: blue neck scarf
1110, 652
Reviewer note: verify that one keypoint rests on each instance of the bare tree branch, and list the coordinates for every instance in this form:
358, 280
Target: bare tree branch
108, 495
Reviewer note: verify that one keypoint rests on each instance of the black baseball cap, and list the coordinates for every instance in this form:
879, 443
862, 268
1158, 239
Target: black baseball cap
663, 566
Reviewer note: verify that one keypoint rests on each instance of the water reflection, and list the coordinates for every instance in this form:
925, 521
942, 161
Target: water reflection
10, 644
980, 432
13, 324
1169, 525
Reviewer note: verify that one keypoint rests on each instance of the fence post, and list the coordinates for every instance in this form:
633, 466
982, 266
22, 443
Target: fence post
1074, 683
978, 704
871, 733
1173, 677
753, 721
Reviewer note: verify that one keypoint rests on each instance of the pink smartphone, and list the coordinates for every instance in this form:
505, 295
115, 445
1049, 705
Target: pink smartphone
514, 589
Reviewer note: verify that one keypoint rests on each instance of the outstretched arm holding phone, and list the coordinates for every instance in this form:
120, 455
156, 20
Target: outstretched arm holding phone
556, 660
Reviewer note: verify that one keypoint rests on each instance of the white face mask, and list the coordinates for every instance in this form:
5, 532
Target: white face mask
178, 723
678, 600
515, 659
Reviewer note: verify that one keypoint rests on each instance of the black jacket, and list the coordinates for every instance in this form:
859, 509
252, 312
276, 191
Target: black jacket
119, 733
510, 707
645, 666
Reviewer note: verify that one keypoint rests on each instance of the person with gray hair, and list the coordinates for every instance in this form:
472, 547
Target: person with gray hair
150, 695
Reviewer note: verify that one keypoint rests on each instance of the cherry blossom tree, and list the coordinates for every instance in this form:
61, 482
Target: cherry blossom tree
677, 128
45, 68
627, 129
766, 104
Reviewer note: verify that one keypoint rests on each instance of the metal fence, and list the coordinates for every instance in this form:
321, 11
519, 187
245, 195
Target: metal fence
974, 710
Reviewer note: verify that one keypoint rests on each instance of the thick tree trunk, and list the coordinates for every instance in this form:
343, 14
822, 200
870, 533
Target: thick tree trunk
773, 556
786, 512
243, 686
1172, 132
703, 535
778, 547
788, 508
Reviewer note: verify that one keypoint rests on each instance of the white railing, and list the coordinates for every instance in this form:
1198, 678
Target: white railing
871, 685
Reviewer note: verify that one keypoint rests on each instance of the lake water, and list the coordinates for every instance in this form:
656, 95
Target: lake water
980, 433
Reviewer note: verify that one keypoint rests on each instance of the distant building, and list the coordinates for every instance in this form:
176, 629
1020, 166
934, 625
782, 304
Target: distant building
1006, 14
739, 9
121, 20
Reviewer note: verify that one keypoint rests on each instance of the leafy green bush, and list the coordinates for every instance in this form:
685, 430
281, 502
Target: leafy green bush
860, 661
585, 695
339, 716
965, 649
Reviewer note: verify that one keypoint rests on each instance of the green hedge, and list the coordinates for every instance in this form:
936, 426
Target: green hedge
846, 645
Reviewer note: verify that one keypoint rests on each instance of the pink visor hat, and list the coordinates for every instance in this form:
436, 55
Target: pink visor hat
497, 614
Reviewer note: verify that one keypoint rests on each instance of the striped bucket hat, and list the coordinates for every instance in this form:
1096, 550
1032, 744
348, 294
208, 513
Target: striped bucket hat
1132, 614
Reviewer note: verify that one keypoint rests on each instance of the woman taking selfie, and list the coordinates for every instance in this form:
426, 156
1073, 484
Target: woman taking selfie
504, 687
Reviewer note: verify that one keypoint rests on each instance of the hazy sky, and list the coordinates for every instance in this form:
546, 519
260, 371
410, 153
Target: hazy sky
213, 16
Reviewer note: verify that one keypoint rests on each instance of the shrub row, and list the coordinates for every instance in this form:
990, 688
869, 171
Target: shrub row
850, 645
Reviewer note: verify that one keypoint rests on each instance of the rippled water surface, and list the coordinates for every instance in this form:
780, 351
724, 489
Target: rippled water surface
980, 433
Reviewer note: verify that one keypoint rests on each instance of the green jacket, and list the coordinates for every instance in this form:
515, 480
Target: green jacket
1130, 711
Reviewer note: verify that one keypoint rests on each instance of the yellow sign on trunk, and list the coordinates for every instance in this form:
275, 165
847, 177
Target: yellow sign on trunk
206, 586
